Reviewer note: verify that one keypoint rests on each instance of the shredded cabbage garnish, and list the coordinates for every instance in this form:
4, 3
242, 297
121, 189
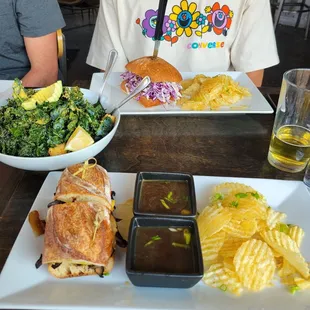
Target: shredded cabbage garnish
165, 92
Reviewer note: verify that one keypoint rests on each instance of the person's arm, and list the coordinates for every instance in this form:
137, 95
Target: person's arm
42, 54
256, 77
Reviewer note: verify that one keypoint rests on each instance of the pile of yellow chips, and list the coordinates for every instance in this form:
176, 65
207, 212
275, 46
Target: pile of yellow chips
210, 93
246, 244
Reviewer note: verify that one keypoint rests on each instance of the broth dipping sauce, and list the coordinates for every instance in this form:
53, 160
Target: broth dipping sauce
165, 197
155, 252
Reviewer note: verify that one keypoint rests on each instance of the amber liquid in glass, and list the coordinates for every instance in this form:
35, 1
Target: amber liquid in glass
290, 148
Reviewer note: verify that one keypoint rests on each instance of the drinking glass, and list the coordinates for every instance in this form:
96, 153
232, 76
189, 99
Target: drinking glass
289, 148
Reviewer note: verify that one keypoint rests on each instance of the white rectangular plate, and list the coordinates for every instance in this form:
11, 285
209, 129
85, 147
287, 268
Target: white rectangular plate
256, 104
24, 287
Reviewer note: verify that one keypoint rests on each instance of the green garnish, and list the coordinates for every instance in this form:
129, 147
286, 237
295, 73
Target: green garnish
163, 202
180, 245
170, 199
218, 196
187, 236
284, 228
148, 243
106, 274
223, 288
234, 204
154, 238
269, 207
241, 195
255, 195
293, 289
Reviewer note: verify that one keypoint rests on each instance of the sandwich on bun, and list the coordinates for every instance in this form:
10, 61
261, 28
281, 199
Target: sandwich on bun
165, 81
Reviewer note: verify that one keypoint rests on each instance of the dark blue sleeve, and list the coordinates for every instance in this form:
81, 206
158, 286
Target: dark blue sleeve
37, 18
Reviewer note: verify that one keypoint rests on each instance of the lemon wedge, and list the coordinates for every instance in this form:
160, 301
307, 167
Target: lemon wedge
79, 139
48, 94
29, 104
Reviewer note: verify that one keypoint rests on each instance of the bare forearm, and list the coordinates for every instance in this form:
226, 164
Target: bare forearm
256, 77
36, 78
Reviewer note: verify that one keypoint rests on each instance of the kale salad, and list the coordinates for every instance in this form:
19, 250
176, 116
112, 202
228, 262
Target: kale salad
32, 125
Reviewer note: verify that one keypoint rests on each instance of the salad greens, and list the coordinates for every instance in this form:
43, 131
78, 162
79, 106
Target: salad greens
32, 133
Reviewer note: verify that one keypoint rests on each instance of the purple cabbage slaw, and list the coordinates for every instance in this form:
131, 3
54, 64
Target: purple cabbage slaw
165, 92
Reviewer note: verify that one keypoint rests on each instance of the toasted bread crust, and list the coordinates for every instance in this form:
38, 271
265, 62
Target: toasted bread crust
70, 230
94, 186
143, 100
157, 69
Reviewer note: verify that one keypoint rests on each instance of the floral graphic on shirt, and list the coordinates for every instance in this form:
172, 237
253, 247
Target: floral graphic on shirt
149, 23
219, 18
185, 17
186, 20
148, 26
201, 21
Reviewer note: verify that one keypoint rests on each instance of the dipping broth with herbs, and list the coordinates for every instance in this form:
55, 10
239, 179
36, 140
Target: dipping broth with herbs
165, 197
164, 250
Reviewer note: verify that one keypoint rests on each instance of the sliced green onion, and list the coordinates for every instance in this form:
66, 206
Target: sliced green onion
255, 195
234, 204
284, 228
149, 243
180, 245
223, 287
241, 195
218, 196
163, 202
187, 236
293, 289
155, 238
170, 199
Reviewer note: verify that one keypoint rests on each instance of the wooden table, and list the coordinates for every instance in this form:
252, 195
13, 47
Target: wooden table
209, 145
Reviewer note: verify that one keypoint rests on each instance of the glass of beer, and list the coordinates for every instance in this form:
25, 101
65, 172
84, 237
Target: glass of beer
290, 141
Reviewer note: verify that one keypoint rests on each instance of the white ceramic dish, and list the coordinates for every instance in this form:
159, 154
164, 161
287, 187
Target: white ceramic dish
24, 287
60, 162
256, 104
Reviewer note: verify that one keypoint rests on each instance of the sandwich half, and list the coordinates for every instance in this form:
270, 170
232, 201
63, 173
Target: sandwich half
165, 81
85, 183
79, 239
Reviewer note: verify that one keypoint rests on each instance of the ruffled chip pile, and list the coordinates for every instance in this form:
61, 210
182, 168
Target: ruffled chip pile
246, 244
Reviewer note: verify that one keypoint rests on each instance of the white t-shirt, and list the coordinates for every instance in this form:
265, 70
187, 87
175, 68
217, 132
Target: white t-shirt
198, 36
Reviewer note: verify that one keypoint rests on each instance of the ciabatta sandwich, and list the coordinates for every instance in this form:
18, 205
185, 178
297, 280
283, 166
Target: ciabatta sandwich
165, 81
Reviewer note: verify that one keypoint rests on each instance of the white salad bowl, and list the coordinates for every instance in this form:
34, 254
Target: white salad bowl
62, 161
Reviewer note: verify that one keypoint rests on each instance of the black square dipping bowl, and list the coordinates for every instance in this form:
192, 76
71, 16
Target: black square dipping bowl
165, 194
164, 252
